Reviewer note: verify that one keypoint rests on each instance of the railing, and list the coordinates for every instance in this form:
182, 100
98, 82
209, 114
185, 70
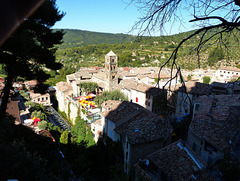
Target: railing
93, 118
60, 118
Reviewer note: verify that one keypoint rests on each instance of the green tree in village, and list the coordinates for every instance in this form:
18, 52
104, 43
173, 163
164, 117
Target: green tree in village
189, 77
24, 94
112, 95
88, 86
206, 80
31, 48
29, 103
42, 125
39, 114
89, 138
64, 137
81, 132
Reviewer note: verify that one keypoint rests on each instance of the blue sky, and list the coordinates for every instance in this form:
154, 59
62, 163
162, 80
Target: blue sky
109, 16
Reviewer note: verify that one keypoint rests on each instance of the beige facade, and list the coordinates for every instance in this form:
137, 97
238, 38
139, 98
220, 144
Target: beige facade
40, 99
63, 89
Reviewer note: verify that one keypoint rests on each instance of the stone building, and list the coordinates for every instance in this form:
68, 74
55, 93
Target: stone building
173, 162
140, 131
214, 130
111, 71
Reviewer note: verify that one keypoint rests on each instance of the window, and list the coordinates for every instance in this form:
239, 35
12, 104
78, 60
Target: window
136, 99
126, 155
127, 145
42, 98
112, 60
38, 99
148, 103
46, 98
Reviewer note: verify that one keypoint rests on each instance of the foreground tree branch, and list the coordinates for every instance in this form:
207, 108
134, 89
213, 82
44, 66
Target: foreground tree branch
30, 47
157, 13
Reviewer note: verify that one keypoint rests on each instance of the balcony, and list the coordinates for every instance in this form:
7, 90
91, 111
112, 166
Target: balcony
92, 118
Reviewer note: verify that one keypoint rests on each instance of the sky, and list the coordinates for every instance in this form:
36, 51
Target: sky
108, 16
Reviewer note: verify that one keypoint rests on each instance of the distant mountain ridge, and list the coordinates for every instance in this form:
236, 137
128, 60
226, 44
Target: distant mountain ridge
78, 38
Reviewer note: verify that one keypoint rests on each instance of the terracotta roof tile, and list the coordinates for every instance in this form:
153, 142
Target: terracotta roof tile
63, 86
179, 162
138, 123
134, 85
144, 127
217, 119
100, 75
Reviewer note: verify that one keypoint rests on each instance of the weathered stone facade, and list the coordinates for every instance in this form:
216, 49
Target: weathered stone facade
111, 71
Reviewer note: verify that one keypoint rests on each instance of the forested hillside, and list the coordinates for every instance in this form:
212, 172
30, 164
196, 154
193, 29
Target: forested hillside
77, 38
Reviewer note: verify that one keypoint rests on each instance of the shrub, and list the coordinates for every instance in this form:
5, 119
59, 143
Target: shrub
206, 80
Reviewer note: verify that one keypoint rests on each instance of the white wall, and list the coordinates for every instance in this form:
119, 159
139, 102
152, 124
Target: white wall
222, 75
43, 99
141, 97
127, 93
75, 89
74, 110
60, 98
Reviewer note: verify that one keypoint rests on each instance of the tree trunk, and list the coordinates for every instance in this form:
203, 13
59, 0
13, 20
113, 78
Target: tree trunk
6, 90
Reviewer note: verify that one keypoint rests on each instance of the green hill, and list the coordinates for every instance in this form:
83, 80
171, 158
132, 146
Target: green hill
78, 38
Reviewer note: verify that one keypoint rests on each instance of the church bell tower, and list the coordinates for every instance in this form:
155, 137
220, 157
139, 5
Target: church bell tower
111, 71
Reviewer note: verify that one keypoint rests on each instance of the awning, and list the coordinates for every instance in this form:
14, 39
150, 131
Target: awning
88, 97
81, 98
93, 95
36, 119
28, 121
